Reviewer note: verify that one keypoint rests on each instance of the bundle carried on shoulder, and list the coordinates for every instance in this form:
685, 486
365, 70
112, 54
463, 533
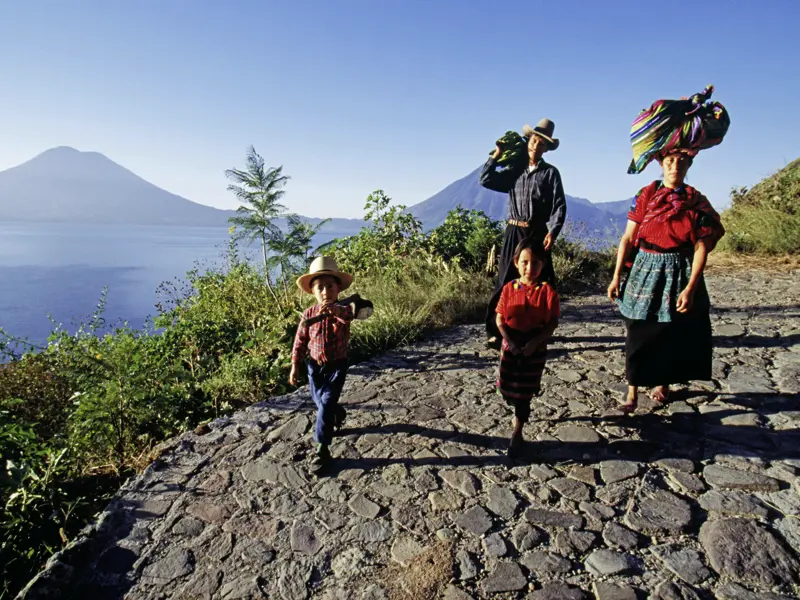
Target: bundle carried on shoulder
515, 150
689, 124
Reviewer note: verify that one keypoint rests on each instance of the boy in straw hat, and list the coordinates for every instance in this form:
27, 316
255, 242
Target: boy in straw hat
321, 341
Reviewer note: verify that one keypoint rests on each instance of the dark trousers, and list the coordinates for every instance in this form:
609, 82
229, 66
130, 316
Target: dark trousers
326, 382
506, 271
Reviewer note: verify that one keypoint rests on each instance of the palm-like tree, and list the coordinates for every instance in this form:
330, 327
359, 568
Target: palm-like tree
259, 189
293, 247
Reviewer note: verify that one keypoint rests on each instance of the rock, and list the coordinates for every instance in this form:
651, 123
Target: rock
729, 330
612, 471
245, 587
290, 430
189, 527
681, 465
684, 562
744, 551
584, 474
494, 545
405, 548
461, 481
596, 511
574, 542
733, 504
266, 469
616, 494
546, 564
364, 507
446, 534
506, 577
176, 563
734, 591
609, 562
371, 532
349, 563
569, 376
668, 590
502, 502
557, 591
571, 489
577, 434
659, 511
608, 591
687, 483
304, 539
210, 512
615, 534
445, 500
202, 585
526, 537
467, 568
374, 592
292, 579
731, 479
453, 593
552, 518
542, 473
475, 520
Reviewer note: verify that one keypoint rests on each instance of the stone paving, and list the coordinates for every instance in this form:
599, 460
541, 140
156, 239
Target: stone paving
696, 499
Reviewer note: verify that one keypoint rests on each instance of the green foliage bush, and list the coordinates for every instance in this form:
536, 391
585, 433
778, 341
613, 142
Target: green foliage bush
766, 218
81, 414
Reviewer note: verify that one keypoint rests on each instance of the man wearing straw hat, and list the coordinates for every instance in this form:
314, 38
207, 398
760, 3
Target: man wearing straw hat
537, 209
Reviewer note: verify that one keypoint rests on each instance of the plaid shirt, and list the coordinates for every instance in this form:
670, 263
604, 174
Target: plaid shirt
324, 341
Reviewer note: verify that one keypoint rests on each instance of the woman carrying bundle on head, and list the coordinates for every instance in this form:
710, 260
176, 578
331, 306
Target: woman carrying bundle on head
671, 229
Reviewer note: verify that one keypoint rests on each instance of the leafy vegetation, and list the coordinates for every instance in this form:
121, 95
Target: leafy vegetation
766, 218
80, 415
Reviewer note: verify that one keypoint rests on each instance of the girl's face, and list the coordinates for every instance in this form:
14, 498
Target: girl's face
326, 289
528, 266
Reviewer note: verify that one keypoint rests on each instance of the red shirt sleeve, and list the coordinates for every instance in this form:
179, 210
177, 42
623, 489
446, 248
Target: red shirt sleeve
301, 338
639, 206
553, 303
501, 304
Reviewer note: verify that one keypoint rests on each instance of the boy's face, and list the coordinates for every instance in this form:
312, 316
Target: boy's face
326, 289
528, 266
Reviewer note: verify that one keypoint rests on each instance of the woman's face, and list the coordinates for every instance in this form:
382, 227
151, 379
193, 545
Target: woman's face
675, 168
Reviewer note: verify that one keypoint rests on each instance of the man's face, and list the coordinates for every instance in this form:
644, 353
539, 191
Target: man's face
326, 289
536, 147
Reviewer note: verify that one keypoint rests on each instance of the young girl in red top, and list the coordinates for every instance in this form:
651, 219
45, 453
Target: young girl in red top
527, 315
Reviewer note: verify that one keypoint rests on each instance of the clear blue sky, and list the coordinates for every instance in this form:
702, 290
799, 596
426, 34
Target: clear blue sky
404, 95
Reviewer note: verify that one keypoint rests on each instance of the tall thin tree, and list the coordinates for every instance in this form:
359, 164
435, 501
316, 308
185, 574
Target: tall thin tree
259, 188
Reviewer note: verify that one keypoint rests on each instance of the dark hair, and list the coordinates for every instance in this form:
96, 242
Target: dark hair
537, 250
321, 275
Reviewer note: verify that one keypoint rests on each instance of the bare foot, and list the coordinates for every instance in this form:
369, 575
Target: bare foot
660, 394
631, 400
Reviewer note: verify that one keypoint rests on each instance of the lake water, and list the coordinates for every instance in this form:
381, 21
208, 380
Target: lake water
61, 269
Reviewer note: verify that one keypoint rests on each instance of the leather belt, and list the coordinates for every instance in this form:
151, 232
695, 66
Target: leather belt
518, 223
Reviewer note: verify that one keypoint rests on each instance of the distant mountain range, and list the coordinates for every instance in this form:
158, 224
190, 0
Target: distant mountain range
598, 220
67, 185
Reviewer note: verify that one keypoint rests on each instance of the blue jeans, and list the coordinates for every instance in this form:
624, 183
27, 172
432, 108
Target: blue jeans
326, 382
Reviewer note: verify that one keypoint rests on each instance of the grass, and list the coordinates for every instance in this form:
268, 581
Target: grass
765, 220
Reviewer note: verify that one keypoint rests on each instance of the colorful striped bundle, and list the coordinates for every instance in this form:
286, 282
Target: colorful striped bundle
688, 124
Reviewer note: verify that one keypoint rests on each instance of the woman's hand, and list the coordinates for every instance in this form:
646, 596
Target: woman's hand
532, 346
293, 375
685, 300
613, 289
513, 348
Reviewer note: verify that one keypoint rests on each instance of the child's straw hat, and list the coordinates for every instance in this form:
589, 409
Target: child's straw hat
323, 265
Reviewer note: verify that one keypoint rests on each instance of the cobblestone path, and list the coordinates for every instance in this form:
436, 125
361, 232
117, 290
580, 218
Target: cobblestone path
696, 499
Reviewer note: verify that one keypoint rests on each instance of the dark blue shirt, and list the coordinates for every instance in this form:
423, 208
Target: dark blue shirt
537, 197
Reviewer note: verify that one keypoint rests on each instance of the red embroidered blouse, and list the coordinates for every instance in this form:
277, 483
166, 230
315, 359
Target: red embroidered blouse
673, 218
528, 307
